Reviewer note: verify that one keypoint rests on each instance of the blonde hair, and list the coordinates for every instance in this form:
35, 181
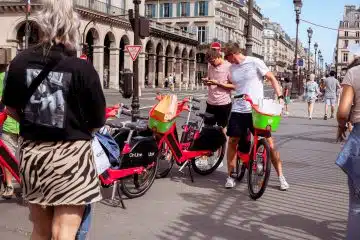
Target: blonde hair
58, 21
312, 77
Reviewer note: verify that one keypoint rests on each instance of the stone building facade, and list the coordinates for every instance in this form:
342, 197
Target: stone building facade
279, 49
209, 20
105, 31
349, 33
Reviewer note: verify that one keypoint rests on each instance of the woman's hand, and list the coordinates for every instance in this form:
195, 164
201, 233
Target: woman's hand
212, 82
341, 134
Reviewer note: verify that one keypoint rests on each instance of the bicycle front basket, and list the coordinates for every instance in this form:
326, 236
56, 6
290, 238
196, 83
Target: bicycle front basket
264, 121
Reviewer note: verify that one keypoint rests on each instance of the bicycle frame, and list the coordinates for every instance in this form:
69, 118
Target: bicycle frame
245, 157
171, 138
7, 158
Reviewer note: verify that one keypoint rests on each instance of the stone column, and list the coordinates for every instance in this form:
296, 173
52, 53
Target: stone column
128, 63
151, 70
178, 71
114, 68
192, 72
99, 62
185, 71
161, 70
141, 71
170, 66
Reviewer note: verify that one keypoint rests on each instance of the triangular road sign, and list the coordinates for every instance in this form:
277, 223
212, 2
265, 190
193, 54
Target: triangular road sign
133, 50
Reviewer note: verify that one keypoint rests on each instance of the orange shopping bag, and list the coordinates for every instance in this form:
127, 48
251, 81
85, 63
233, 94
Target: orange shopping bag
166, 108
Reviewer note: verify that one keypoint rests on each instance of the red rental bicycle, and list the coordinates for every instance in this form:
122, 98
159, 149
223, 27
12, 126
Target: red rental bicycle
258, 160
138, 160
172, 150
139, 172
7, 159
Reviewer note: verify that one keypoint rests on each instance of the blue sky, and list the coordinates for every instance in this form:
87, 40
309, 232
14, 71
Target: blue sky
323, 12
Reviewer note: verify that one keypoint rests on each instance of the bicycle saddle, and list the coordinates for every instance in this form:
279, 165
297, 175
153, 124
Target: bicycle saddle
115, 123
206, 115
136, 126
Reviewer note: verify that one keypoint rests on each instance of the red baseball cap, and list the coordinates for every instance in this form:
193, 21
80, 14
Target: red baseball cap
216, 45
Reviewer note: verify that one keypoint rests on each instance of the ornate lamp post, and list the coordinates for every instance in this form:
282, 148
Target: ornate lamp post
319, 64
310, 33
295, 88
316, 48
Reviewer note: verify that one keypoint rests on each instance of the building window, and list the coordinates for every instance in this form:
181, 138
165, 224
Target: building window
183, 9
345, 58
357, 34
346, 43
357, 41
346, 33
151, 10
202, 34
184, 29
166, 10
202, 8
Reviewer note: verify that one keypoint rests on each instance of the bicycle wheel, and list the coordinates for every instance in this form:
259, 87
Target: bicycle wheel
206, 165
165, 161
259, 170
240, 169
138, 184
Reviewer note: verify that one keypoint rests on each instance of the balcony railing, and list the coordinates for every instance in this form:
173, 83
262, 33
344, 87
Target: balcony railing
167, 28
99, 6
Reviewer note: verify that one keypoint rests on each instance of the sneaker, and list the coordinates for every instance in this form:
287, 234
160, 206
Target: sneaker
8, 193
230, 182
283, 184
325, 117
332, 116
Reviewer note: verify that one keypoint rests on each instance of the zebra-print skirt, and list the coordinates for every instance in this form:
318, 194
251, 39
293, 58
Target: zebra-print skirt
58, 173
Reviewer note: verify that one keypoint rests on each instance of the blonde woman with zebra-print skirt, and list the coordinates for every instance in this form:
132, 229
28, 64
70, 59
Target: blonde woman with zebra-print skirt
59, 102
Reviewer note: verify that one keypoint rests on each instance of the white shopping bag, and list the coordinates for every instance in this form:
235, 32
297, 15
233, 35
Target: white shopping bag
101, 159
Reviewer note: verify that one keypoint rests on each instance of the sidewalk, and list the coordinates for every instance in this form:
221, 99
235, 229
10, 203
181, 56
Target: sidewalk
299, 109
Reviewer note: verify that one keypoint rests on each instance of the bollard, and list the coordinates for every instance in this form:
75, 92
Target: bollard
180, 87
202, 86
186, 87
197, 86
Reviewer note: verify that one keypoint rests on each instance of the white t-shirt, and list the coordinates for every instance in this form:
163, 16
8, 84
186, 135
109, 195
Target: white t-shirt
248, 78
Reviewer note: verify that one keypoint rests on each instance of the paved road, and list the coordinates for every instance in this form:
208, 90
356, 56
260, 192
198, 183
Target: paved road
314, 208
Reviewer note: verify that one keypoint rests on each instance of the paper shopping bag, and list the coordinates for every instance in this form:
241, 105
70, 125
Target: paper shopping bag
172, 108
166, 108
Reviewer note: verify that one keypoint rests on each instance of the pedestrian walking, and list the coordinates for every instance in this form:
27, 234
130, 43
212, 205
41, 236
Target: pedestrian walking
348, 158
331, 87
247, 75
61, 180
286, 93
311, 92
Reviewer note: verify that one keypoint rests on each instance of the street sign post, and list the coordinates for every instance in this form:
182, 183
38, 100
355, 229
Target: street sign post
134, 51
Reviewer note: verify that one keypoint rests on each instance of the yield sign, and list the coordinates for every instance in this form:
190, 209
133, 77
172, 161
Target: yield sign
134, 51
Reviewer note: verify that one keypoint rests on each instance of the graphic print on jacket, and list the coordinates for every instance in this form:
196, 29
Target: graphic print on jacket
47, 106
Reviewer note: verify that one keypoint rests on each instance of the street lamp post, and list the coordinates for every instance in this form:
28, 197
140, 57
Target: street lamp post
249, 40
310, 33
135, 105
318, 65
315, 47
295, 87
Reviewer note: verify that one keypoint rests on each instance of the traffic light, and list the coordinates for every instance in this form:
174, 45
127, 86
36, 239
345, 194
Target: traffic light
126, 83
144, 24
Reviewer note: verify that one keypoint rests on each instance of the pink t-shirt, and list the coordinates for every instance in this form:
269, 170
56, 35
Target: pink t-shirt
218, 95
